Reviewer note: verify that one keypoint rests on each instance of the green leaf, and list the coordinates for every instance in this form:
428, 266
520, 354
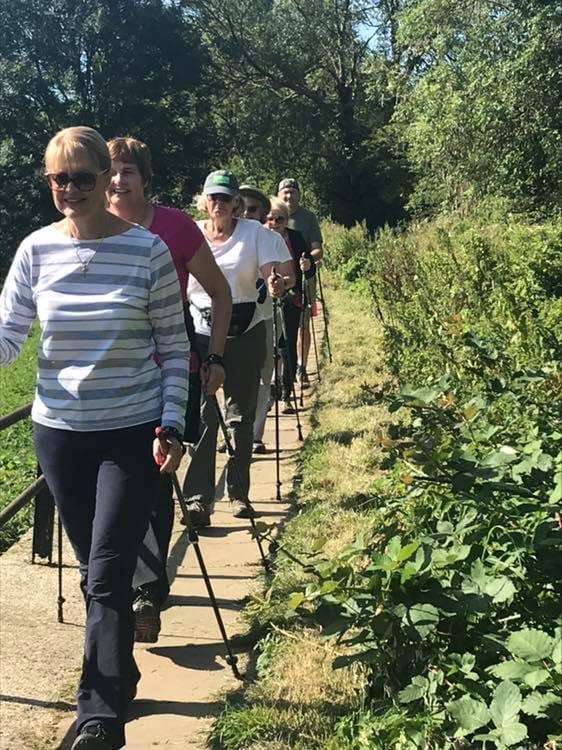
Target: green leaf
407, 551
511, 670
424, 618
536, 703
536, 678
393, 548
469, 714
295, 600
530, 644
505, 455
557, 651
506, 704
328, 587
501, 589
412, 693
318, 543
511, 734
423, 395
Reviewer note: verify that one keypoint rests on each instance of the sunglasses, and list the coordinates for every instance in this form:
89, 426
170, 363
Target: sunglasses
275, 219
83, 181
251, 209
220, 197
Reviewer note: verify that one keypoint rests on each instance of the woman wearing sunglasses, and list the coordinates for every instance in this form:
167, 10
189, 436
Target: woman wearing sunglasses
305, 268
244, 251
127, 197
107, 298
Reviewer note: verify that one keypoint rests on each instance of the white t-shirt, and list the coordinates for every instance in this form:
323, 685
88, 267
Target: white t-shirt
267, 306
248, 248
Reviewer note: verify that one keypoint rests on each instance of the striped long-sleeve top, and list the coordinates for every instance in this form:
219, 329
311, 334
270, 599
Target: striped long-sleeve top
100, 329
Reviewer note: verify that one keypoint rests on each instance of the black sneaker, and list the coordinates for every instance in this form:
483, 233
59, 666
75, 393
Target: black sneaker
259, 447
287, 407
240, 509
93, 736
199, 514
302, 376
147, 619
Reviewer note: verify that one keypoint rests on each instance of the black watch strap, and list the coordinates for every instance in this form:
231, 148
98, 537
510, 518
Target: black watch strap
167, 431
214, 359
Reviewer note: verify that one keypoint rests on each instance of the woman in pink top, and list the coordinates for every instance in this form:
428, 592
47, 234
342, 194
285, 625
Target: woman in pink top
128, 198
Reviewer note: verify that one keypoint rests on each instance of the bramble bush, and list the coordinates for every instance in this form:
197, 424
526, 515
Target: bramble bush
454, 604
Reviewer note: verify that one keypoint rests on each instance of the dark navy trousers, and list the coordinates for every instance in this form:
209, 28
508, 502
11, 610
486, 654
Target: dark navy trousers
105, 484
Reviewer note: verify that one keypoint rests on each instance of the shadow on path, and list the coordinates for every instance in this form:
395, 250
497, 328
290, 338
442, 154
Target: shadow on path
201, 657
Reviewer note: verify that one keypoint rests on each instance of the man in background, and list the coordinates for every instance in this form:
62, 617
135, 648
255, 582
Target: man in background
305, 222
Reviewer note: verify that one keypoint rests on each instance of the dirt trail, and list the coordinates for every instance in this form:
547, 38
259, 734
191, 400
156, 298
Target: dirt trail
183, 674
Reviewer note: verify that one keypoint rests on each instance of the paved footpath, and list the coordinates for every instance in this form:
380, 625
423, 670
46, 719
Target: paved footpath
183, 674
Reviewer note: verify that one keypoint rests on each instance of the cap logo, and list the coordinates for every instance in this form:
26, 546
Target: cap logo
221, 179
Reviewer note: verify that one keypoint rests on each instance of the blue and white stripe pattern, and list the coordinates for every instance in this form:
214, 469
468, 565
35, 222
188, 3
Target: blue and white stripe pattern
99, 329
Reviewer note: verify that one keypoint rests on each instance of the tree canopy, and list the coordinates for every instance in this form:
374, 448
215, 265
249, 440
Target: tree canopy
380, 108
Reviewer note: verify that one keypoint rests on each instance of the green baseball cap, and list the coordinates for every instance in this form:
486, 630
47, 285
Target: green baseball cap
221, 181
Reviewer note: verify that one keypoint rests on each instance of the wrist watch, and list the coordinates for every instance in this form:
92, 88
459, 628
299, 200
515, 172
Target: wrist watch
167, 431
214, 359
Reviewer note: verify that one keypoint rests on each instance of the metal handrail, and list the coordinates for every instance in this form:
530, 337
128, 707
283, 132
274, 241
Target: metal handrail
33, 489
28, 494
44, 511
15, 416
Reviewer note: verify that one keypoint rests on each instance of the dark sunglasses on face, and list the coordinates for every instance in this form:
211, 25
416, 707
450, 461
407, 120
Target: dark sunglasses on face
251, 209
275, 219
83, 181
220, 197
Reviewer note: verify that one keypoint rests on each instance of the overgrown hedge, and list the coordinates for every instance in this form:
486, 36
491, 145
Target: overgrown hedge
455, 604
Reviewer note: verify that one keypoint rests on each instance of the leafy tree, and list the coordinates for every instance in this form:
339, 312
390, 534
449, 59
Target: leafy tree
122, 67
293, 76
480, 111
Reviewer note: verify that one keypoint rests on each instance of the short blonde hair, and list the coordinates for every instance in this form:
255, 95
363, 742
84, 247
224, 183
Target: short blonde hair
133, 151
79, 140
279, 206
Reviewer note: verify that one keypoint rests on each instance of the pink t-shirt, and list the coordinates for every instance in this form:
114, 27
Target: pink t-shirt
183, 237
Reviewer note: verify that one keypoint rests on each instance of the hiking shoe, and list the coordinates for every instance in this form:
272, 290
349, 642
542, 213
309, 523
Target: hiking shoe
259, 447
305, 378
93, 737
287, 407
240, 509
147, 619
199, 514
275, 393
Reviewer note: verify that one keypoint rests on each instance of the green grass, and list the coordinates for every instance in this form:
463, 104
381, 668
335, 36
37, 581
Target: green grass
298, 700
17, 458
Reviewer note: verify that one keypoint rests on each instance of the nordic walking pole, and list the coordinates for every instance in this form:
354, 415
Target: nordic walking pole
60, 600
324, 314
276, 376
303, 311
292, 369
193, 537
315, 346
231, 455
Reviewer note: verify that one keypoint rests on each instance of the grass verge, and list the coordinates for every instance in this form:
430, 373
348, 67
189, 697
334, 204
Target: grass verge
298, 700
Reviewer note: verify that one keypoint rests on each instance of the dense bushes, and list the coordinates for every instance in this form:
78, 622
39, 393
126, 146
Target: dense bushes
455, 603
